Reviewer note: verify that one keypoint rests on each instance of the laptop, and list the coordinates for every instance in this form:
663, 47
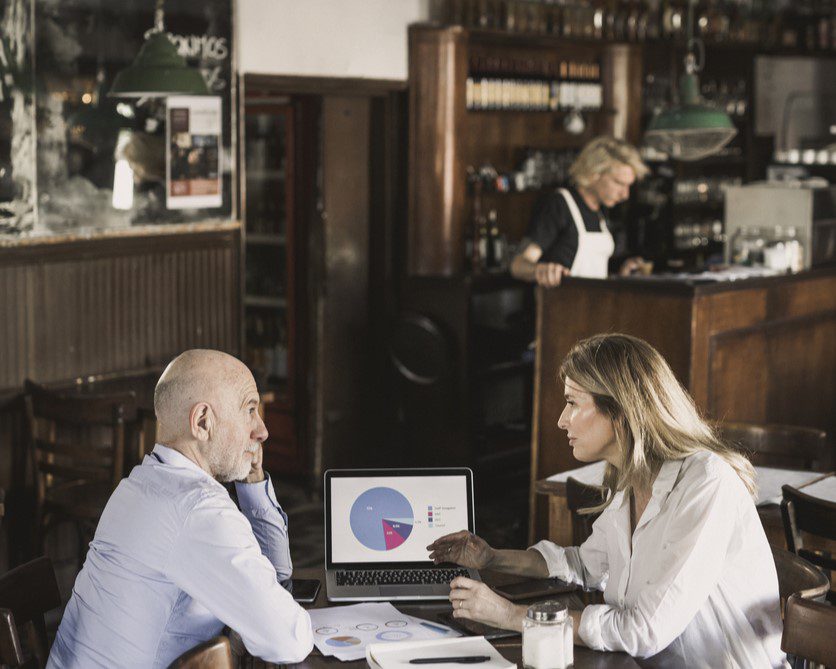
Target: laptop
378, 523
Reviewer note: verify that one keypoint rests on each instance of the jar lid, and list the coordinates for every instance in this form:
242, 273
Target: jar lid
547, 612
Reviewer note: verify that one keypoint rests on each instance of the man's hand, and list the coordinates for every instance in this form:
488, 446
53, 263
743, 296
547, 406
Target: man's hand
256, 474
549, 274
463, 548
473, 600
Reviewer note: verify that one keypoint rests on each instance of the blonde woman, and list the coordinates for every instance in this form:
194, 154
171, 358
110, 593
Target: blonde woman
568, 233
678, 550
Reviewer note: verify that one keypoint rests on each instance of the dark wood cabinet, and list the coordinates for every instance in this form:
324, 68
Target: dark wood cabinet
272, 299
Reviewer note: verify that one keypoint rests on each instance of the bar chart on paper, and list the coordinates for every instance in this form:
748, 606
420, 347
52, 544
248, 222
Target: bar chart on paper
381, 518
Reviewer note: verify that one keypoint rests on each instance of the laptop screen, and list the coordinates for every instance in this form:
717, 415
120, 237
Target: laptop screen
376, 517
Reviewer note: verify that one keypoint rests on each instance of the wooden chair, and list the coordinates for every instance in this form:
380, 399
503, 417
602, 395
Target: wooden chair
796, 576
215, 653
809, 631
582, 496
803, 513
783, 446
26, 594
77, 447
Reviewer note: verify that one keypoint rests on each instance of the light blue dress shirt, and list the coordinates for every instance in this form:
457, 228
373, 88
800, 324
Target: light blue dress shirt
173, 561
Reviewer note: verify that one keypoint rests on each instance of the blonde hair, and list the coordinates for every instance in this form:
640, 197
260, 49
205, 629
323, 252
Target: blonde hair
601, 155
653, 417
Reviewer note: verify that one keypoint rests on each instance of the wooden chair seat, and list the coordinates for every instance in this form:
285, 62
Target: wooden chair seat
809, 631
26, 594
803, 513
797, 576
215, 653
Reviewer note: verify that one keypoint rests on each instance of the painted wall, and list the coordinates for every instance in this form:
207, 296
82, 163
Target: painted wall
330, 38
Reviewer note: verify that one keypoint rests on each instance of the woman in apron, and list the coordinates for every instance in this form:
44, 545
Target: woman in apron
568, 233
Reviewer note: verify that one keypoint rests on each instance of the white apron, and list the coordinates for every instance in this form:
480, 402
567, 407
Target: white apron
594, 248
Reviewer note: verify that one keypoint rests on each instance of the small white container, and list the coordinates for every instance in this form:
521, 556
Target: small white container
547, 637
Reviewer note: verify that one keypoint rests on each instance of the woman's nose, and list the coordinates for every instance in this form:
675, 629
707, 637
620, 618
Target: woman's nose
563, 422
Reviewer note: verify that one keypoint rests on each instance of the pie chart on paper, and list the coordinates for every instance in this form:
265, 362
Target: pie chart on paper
381, 518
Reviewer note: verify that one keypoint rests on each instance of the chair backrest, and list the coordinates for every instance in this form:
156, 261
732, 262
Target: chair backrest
26, 593
808, 631
804, 513
582, 496
76, 437
796, 576
216, 653
784, 446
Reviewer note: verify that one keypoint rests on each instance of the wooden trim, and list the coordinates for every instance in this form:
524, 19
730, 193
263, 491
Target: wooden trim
271, 84
142, 242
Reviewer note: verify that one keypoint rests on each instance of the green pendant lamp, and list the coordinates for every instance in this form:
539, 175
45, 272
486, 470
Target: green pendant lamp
690, 130
158, 70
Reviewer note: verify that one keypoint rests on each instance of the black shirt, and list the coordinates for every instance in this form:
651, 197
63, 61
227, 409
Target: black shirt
553, 229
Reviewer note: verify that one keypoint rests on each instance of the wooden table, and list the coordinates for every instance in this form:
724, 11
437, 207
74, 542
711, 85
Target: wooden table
560, 518
510, 648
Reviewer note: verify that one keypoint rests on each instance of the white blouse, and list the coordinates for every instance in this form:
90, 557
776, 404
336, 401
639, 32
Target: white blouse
697, 583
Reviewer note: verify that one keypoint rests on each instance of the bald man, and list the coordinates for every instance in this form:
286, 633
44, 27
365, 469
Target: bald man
174, 560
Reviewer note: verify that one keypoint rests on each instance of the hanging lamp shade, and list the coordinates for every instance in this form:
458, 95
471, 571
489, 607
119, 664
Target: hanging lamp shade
690, 130
158, 71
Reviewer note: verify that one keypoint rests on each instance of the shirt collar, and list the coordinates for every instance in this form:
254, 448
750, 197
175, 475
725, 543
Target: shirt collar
662, 486
173, 458
667, 477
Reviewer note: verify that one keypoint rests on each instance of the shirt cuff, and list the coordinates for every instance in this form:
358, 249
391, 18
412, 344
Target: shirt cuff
555, 558
590, 628
257, 496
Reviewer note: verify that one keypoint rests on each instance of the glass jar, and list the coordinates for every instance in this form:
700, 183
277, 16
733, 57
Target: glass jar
547, 641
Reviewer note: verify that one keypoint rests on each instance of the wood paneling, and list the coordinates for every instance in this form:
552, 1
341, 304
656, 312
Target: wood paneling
93, 308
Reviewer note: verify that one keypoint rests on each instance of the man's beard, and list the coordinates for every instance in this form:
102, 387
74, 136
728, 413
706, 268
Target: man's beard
226, 472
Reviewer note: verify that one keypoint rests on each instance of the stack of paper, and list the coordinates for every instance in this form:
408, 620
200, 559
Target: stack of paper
397, 656
345, 631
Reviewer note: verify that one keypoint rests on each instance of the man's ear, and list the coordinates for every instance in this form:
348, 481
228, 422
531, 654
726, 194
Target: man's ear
201, 421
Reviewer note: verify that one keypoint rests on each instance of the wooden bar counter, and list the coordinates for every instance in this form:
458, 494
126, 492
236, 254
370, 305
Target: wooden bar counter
755, 350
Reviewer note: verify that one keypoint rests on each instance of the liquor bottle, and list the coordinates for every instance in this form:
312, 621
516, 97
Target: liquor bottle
489, 240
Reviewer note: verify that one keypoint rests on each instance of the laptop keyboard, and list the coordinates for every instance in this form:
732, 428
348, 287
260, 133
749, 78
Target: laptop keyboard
397, 576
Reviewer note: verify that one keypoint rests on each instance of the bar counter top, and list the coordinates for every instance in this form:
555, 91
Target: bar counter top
697, 284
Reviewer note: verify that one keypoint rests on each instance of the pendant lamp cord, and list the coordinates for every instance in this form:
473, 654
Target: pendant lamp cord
159, 15
693, 62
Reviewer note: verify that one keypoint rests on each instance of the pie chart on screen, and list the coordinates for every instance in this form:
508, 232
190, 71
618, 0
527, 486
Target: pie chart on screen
381, 518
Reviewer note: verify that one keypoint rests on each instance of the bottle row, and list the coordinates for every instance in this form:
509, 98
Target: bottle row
693, 234
486, 248
538, 169
706, 190
809, 24
516, 95
522, 68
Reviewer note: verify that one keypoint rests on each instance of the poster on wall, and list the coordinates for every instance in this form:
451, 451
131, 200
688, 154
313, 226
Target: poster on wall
193, 155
